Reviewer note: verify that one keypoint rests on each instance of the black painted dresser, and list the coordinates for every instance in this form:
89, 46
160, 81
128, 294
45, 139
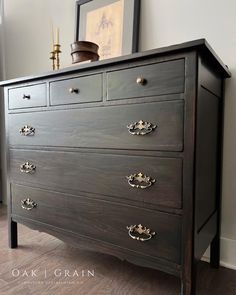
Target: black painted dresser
122, 156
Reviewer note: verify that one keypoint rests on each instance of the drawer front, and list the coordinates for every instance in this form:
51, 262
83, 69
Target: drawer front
151, 80
76, 90
102, 220
104, 127
103, 174
27, 97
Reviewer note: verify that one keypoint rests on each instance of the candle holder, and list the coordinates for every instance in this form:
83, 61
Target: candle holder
57, 51
53, 58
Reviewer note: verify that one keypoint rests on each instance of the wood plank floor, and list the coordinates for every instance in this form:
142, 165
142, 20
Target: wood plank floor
39, 251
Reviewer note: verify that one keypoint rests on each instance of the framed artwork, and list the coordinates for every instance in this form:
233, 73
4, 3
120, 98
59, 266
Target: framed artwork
112, 24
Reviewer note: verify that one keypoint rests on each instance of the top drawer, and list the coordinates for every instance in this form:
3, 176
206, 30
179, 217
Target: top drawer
28, 96
76, 90
150, 80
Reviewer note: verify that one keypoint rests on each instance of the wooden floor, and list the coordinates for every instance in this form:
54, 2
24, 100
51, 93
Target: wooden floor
39, 251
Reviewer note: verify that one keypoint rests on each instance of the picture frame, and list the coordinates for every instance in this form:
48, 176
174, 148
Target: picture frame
112, 24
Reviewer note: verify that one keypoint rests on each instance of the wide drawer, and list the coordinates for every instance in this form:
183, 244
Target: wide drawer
104, 127
150, 80
103, 174
102, 220
76, 90
27, 96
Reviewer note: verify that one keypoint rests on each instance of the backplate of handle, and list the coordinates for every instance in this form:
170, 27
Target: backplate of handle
140, 233
140, 180
27, 168
27, 130
141, 128
28, 204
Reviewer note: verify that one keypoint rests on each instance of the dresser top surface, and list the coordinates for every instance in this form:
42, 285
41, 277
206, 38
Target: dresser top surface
200, 45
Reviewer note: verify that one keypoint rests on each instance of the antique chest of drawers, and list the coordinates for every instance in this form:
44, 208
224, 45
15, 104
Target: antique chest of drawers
122, 156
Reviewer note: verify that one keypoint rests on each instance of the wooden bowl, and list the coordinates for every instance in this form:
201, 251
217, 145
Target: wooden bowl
84, 50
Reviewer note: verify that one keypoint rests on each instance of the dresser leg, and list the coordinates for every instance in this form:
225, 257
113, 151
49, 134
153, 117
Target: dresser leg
13, 241
189, 280
215, 252
188, 288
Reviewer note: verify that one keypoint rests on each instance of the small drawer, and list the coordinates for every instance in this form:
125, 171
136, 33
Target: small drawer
104, 221
150, 80
76, 90
149, 126
120, 177
27, 97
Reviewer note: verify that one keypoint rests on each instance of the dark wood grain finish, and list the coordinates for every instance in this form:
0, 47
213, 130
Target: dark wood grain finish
206, 164
52, 253
161, 78
102, 174
199, 45
188, 274
28, 96
180, 91
209, 156
76, 90
209, 78
104, 127
205, 236
102, 221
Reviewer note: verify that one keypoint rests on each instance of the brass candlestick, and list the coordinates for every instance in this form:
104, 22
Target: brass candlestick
57, 52
53, 58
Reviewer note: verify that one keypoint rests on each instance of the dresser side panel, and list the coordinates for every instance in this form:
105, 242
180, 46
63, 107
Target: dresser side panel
208, 149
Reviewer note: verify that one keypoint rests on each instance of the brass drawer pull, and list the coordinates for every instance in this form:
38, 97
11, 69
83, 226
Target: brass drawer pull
140, 180
142, 231
28, 204
74, 90
27, 168
27, 130
141, 128
141, 81
26, 96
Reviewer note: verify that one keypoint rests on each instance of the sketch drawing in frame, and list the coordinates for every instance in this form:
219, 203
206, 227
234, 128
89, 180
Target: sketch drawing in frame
112, 24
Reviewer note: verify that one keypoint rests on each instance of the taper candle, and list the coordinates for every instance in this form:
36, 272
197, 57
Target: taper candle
57, 42
52, 32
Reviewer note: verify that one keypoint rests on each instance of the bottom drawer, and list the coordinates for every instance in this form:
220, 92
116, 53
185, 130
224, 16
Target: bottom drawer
102, 220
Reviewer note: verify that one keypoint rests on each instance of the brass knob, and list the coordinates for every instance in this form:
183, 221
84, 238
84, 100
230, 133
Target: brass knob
26, 96
74, 90
141, 81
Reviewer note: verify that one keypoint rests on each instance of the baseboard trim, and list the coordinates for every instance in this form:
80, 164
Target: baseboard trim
228, 253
